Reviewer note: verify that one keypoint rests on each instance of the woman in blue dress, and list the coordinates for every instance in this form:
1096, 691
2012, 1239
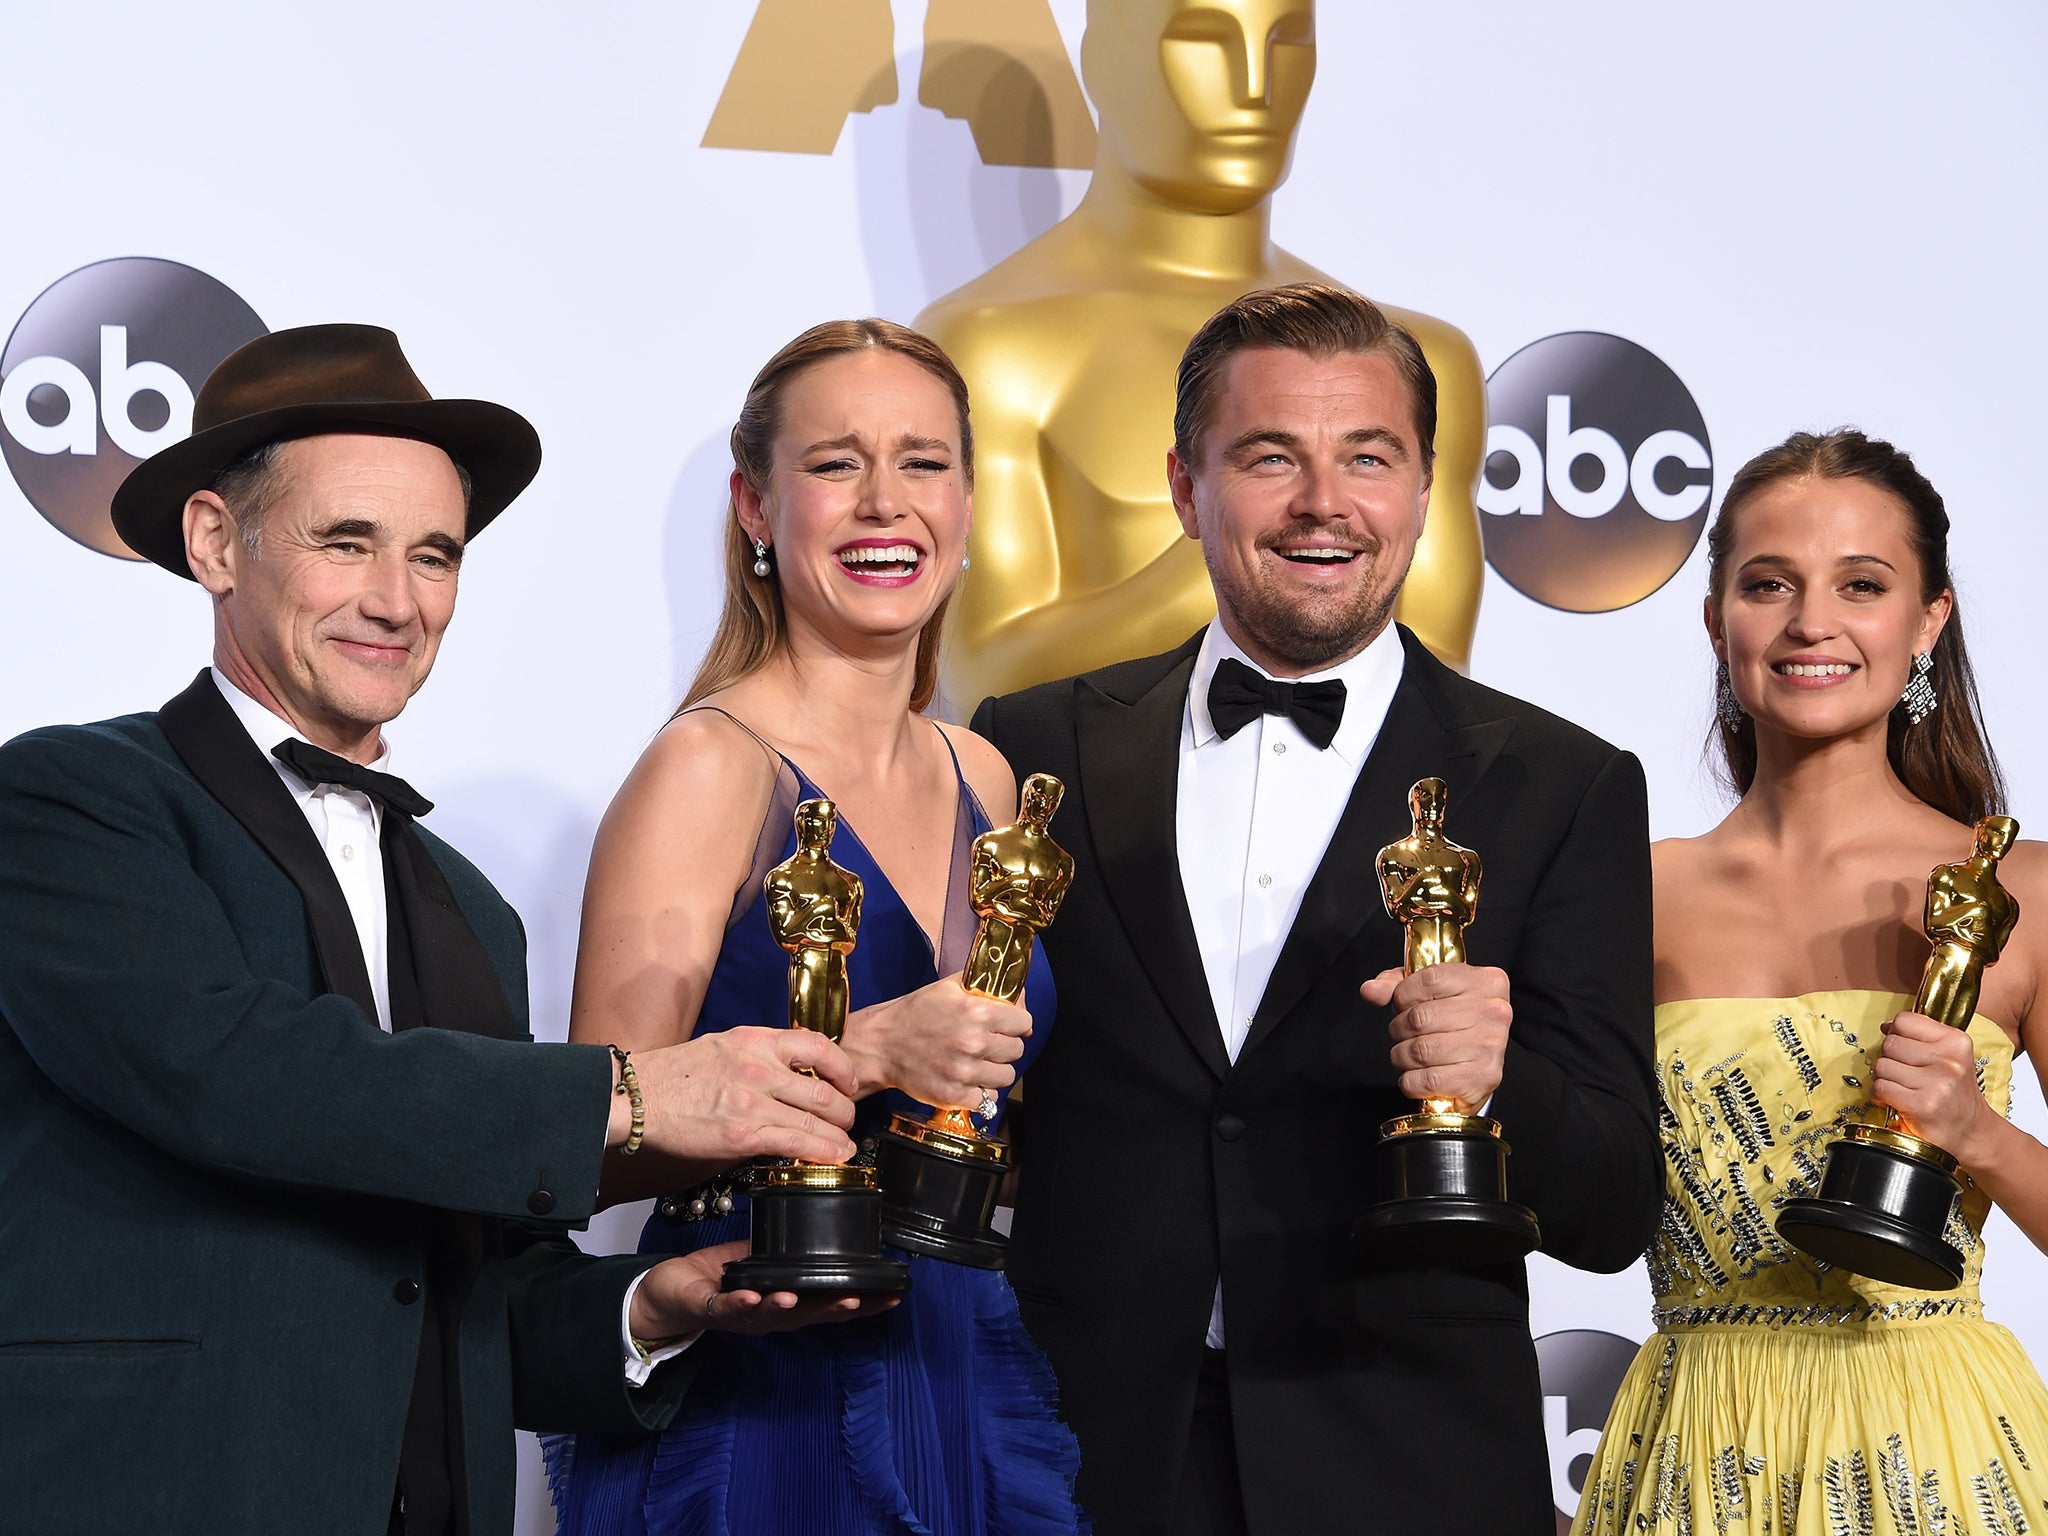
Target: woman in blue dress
851, 497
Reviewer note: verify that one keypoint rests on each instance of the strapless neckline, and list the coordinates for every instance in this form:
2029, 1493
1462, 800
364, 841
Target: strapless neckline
1778, 1393
1904, 1000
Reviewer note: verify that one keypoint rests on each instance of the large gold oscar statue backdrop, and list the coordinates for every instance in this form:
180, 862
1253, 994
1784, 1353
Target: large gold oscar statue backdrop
1070, 347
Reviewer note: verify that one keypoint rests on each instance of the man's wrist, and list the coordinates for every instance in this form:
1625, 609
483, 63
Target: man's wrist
627, 1087
619, 1120
642, 1327
641, 1354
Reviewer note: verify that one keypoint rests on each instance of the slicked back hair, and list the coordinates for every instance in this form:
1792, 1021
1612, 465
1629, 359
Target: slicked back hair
1319, 319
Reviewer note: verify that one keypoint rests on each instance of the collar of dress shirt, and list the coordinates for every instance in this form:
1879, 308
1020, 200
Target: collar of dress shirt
1369, 679
267, 729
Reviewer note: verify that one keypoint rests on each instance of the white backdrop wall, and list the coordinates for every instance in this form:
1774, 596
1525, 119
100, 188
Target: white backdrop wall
1814, 213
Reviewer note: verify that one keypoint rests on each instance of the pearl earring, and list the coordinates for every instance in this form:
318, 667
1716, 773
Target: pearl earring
760, 557
965, 562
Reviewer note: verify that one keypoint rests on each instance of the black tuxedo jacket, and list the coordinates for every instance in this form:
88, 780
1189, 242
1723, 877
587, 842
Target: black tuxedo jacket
1370, 1395
220, 1182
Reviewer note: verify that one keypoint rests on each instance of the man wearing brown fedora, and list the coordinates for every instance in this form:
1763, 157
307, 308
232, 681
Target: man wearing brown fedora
284, 1184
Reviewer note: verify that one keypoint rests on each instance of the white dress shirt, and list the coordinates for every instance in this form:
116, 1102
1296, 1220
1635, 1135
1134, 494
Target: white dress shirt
349, 825
1254, 814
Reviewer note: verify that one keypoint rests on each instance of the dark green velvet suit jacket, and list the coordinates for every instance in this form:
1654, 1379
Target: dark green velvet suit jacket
219, 1179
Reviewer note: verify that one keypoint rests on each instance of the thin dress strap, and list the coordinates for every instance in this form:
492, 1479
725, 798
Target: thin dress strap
775, 824
956, 935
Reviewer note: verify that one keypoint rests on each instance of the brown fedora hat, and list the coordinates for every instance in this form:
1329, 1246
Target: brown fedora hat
301, 383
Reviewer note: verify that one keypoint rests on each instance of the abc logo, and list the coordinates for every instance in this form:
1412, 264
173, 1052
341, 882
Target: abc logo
1597, 472
1581, 1371
99, 375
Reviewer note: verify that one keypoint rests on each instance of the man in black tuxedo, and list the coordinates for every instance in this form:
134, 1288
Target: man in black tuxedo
275, 1144
1199, 1139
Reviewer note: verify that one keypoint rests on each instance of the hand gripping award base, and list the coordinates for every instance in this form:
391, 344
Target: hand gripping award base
817, 1227
940, 1175
1886, 1195
1442, 1173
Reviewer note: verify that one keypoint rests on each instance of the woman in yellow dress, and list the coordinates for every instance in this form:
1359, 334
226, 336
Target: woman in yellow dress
1780, 1397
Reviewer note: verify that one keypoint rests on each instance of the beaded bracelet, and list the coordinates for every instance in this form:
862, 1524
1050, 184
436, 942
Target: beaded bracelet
629, 1085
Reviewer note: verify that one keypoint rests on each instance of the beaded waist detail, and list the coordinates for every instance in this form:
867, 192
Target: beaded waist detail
721, 1194
1817, 1315
718, 1195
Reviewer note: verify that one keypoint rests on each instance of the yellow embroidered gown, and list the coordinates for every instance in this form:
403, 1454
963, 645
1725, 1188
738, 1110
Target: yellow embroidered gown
1780, 1397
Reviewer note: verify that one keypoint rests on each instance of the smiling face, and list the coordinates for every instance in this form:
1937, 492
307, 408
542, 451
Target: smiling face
1821, 613
1307, 488
1199, 99
334, 618
866, 503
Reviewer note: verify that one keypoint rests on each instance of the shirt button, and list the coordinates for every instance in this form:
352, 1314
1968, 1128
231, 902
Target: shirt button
348, 850
1264, 881
1279, 746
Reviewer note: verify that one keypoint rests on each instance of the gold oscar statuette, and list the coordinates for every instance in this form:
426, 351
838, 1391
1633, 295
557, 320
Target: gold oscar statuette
816, 1226
1442, 1170
1071, 346
1886, 1194
940, 1174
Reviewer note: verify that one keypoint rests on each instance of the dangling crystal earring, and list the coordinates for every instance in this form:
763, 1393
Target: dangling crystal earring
1919, 699
760, 557
965, 561
1726, 705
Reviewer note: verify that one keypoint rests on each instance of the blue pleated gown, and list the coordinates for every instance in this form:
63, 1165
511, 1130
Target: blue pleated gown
934, 1419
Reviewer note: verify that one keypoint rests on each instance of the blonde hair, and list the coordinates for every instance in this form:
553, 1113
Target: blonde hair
751, 628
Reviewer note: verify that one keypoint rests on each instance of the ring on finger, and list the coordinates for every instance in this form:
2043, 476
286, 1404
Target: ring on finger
986, 1110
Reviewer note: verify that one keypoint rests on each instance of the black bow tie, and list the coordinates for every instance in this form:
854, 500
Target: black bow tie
316, 765
1238, 696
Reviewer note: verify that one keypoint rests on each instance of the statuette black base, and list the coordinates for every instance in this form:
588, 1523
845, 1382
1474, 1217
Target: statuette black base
1881, 1210
1443, 1197
817, 1240
939, 1198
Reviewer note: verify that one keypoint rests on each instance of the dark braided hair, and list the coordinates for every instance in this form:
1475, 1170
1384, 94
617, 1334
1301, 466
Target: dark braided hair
1947, 759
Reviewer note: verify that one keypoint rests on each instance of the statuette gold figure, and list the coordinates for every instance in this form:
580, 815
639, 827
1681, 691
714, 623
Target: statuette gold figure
941, 1174
814, 913
816, 1227
1969, 919
1886, 1195
1443, 1171
1431, 887
1071, 346
1017, 877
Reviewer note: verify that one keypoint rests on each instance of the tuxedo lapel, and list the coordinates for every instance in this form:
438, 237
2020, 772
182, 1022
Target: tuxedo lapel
1426, 732
205, 734
1129, 750
455, 984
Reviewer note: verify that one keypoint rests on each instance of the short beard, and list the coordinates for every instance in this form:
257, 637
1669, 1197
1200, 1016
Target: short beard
1312, 637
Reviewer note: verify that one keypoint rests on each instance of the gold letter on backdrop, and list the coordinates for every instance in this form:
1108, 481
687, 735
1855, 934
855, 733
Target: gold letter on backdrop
804, 66
1071, 346
1000, 64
